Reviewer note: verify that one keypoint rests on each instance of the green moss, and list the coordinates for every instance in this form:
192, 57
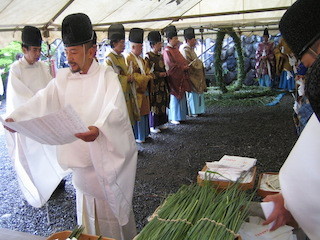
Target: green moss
247, 96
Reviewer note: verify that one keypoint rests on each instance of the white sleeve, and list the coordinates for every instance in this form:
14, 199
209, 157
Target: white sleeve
44, 102
17, 92
114, 152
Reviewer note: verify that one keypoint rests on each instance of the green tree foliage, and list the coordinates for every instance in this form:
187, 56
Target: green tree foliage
8, 54
7, 57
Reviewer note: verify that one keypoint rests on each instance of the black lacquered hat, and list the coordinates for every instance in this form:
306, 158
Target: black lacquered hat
136, 35
171, 31
189, 33
76, 30
154, 36
116, 32
300, 25
31, 36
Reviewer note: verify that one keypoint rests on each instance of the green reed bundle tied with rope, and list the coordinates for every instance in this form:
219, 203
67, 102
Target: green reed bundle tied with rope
196, 212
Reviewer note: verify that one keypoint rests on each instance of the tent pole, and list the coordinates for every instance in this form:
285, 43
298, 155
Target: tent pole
57, 14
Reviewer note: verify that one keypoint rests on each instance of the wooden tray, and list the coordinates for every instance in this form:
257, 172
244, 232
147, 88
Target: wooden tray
65, 234
264, 193
225, 184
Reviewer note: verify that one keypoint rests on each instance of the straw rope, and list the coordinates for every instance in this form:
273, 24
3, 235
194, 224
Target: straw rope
220, 224
155, 215
174, 220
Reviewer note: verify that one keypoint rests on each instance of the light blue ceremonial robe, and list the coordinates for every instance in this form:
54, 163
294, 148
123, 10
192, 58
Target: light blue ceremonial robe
178, 109
195, 103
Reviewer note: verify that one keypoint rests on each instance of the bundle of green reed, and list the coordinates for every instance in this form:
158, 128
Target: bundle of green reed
185, 213
178, 213
223, 219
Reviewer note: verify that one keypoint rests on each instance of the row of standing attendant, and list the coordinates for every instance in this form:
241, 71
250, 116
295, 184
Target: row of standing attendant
159, 88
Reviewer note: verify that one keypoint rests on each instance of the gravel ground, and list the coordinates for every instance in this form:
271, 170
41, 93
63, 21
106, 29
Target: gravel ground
166, 161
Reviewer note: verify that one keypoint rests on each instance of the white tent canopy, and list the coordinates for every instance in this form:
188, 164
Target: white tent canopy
244, 15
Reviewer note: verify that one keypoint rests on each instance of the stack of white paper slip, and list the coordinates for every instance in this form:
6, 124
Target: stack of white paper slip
228, 168
255, 230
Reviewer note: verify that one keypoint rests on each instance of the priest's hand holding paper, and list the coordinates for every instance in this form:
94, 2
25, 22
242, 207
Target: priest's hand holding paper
90, 135
9, 129
280, 215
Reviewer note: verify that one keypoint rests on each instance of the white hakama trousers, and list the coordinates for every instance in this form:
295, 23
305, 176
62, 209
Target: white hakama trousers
94, 212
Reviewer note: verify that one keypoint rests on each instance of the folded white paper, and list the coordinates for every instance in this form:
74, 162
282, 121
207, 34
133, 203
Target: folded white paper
254, 230
229, 168
267, 208
244, 163
54, 129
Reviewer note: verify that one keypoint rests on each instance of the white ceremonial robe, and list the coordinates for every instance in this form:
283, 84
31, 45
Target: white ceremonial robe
105, 168
300, 180
38, 171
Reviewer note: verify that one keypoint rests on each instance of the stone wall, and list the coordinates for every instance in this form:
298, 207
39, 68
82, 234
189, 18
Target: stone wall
229, 59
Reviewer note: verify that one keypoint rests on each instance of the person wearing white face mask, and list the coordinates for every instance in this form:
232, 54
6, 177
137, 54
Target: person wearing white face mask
302, 108
285, 65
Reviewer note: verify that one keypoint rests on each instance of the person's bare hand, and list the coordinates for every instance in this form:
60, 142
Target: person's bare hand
9, 129
90, 135
280, 214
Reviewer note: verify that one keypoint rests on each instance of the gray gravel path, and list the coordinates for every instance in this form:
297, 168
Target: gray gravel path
166, 161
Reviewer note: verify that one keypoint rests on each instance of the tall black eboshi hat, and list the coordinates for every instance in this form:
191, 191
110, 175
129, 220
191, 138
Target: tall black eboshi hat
300, 25
171, 31
116, 32
154, 36
136, 35
31, 36
76, 30
189, 33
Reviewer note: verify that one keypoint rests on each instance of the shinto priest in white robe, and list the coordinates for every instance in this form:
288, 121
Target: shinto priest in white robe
36, 165
103, 170
300, 179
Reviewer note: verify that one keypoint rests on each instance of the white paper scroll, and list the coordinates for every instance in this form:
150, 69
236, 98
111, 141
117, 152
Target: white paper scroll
54, 129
